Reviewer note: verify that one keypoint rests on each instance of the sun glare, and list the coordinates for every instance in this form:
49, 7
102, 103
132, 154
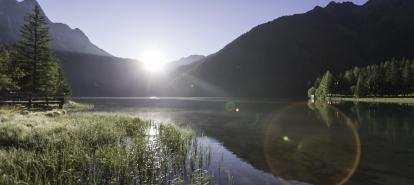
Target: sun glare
154, 60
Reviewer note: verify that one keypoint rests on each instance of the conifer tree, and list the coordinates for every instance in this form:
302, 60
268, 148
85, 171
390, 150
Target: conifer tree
5, 79
325, 86
406, 78
388, 78
392, 78
36, 60
412, 77
360, 88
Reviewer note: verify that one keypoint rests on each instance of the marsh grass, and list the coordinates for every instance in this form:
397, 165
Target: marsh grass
97, 148
71, 105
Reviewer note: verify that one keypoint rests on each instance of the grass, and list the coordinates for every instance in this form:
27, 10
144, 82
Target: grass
96, 148
399, 100
71, 105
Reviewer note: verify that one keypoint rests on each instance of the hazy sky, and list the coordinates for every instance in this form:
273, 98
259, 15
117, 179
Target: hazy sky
176, 28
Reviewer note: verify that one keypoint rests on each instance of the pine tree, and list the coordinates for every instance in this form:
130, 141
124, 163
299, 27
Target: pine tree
63, 85
5, 79
412, 78
360, 88
325, 86
317, 82
392, 80
36, 60
406, 78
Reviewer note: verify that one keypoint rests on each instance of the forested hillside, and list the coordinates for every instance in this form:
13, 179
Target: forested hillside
391, 78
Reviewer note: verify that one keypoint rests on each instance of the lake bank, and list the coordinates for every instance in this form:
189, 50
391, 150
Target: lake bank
397, 100
95, 148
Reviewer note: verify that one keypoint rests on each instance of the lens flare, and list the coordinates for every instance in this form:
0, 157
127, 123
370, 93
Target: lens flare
319, 146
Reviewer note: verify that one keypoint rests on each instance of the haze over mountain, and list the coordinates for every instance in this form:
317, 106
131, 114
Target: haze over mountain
90, 70
186, 61
279, 58
65, 39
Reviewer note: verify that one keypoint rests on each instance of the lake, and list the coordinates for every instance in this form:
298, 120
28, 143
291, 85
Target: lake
286, 141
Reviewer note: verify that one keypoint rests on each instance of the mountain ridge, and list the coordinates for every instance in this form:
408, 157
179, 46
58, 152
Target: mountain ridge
64, 38
278, 58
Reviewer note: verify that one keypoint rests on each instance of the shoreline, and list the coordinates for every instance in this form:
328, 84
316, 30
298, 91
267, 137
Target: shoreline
398, 100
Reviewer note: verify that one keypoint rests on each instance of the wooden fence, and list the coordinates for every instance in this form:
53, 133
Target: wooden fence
33, 100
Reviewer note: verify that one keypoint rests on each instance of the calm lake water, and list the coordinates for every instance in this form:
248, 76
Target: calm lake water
289, 142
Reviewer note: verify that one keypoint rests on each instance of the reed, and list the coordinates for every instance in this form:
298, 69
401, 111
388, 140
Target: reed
97, 148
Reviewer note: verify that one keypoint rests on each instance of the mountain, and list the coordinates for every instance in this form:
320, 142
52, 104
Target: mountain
276, 59
90, 70
65, 39
185, 61
105, 76
279, 58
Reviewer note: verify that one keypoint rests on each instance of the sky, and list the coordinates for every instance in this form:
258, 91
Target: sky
169, 28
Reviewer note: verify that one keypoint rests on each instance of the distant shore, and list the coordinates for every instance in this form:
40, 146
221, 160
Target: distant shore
401, 100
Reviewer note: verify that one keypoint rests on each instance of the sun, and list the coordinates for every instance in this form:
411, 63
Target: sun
154, 60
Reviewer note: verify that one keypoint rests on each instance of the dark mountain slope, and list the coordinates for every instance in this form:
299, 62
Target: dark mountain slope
104, 76
12, 15
89, 70
277, 59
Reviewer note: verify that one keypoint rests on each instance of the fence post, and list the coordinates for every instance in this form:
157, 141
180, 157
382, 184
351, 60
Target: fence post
30, 100
47, 101
62, 101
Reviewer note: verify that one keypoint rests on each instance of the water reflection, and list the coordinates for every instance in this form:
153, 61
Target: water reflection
387, 139
320, 149
272, 142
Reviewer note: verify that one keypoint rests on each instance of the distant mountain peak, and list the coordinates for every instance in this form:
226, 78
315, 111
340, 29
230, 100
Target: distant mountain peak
186, 61
335, 4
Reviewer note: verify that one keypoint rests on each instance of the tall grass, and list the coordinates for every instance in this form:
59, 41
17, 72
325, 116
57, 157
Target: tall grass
97, 148
71, 105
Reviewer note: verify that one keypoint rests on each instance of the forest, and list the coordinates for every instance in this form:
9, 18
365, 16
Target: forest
388, 79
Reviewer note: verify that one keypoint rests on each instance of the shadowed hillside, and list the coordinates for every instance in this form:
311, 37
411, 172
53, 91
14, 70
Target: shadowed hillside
66, 39
278, 58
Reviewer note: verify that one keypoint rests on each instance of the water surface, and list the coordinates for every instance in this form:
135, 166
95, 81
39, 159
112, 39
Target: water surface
289, 142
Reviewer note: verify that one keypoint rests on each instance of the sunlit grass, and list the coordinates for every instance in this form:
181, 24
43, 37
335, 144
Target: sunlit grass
96, 148
71, 105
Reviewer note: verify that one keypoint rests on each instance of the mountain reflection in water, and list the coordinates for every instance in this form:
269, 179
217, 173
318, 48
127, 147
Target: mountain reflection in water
286, 142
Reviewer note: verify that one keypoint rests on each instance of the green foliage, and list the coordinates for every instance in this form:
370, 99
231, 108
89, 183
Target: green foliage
407, 77
41, 73
360, 88
325, 86
5, 78
390, 78
9, 71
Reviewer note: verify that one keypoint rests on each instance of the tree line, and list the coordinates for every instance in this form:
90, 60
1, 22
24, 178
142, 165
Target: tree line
30, 66
391, 78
